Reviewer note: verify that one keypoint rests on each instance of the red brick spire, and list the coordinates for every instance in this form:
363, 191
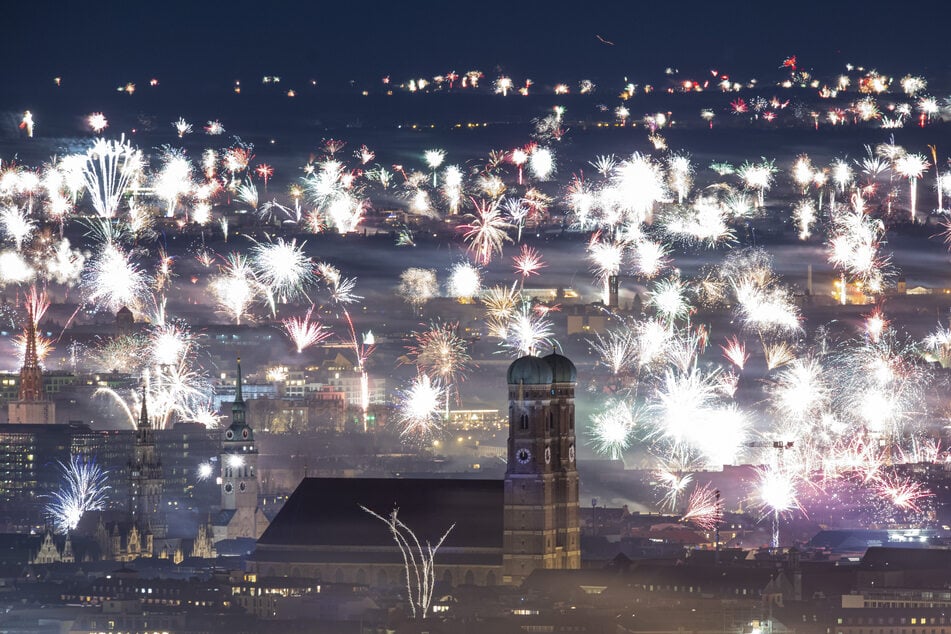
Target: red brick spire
31, 376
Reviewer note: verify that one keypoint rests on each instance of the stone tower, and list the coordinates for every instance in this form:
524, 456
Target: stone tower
31, 405
240, 515
145, 479
541, 481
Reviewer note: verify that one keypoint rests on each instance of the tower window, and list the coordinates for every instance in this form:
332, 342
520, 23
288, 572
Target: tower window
551, 421
523, 421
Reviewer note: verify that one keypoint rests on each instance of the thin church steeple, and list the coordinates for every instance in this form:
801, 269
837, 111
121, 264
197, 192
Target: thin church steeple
240, 430
31, 376
144, 412
237, 393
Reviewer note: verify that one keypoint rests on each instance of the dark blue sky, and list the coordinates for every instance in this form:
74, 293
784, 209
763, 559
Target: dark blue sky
548, 41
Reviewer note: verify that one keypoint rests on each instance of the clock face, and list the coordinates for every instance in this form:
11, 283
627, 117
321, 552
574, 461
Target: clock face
229, 434
547, 455
242, 487
523, 455
229, 488
571, 453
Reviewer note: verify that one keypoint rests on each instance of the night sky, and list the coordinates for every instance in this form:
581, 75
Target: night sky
548, 41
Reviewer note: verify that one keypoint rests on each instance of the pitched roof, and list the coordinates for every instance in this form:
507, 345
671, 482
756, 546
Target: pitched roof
326, 512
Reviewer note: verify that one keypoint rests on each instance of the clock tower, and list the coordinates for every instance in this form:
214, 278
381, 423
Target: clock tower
240, 515
541, 481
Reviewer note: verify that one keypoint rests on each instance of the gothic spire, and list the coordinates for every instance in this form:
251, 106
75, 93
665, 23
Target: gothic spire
238, 411
31, 376
31, 360
237, 394
144, 413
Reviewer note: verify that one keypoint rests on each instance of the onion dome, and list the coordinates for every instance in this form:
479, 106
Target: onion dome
530, 370
562, 369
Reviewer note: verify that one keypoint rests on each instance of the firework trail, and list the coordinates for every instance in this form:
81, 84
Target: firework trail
617, 350
912, 167
84, 489
418, 561
111, 167
673, 482
341, 292
441, 354
487, 232
433, 159
777, 491
303, 332
703, 508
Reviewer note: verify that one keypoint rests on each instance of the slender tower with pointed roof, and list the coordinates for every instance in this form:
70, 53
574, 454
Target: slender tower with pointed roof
145, 478
31, 405
240, 514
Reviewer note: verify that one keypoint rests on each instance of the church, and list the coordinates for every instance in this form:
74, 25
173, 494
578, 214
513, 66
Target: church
501, 530
32, 406
240, 515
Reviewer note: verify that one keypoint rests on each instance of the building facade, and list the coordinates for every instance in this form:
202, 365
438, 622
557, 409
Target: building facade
499, 531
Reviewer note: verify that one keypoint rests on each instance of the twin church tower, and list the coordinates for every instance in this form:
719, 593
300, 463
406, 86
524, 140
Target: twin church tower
540, 515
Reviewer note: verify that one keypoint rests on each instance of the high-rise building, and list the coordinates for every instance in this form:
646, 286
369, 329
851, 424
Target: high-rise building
31, 459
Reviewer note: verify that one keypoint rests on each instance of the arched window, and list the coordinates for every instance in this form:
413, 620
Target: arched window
523, 421
490, 579
338, 576
447, 577
551, 420
381, 579
362, 576
470, 578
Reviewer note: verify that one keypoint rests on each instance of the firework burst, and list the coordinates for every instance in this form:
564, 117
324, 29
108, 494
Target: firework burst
303, 332
84, 489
